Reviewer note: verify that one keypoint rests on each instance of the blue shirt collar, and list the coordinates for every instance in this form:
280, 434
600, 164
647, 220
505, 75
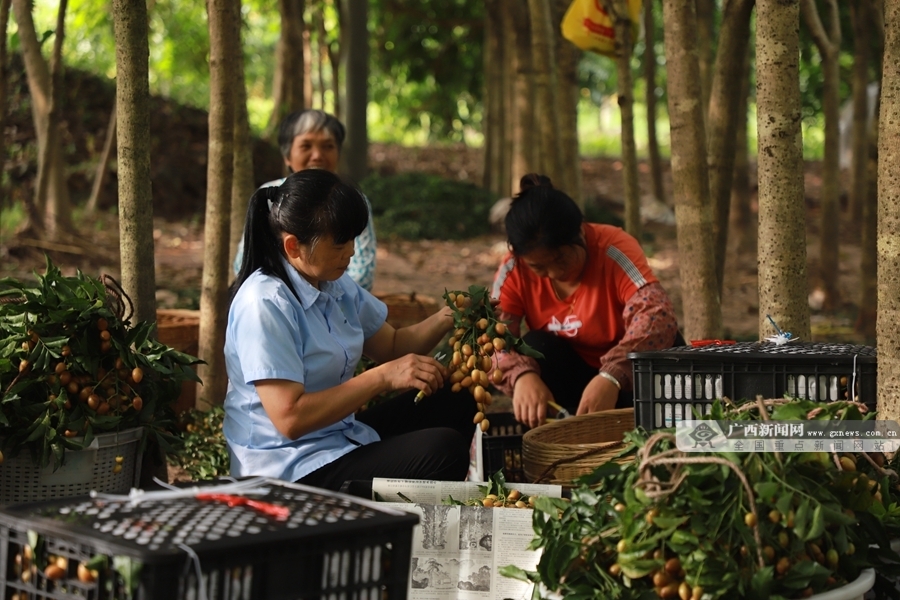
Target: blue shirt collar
306, 291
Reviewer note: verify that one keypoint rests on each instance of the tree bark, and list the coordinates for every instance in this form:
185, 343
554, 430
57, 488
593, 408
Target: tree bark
51, 193
706, 53
321, 50
860, 80
690, 181
546, 86
889, 221
4, 82
288, 83
508, 185
829, 45
335, 53
866, 320
742, 221
618, 12
722, 121
103, 163
493, 120
783, 285
242, 184
649, 64
133, 150
524, 135
307, 66
213, 293
567, 58
355, 47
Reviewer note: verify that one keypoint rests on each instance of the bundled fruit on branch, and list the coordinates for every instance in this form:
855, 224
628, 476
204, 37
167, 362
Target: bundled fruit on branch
72, 366
496, 494
477, 337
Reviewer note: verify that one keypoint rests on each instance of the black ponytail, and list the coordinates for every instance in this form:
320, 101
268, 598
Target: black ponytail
309, 204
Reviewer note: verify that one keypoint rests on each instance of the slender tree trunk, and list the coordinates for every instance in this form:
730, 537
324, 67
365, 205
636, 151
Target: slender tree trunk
133, 150
866, 320
889, 221
508, 184
288, 84
242, 184
4, 82
829, 45
649, 64
334, 59
742, 227
321, 50
722, 121
690, 180
783, 285
706, 53
567, 58
860, 143
493, 120
618, 12
103, 163
307, 68
45, 87
213, 298
524, 137
355, 44
546, 86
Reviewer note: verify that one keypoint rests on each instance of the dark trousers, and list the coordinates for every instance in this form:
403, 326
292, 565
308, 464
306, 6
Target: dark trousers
428, 440
564, 372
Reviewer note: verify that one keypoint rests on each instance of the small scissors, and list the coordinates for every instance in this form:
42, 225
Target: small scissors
438, 357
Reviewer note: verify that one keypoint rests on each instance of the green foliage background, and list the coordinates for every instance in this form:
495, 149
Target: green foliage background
426, 76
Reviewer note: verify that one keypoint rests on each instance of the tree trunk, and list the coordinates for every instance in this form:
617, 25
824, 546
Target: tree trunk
860, 81
722, 121
335, 52
783, 285
54, 202
889, 221
133, 150
213, 294
649, 64
690, 181
321, 50
288, 83
618, 12
103, 163
493, 120
355, 47
567, 57
742, 227
524, 137
508, 184
829, 45
4, 81
307, 67
866, 320
706, 53
546, 86
242, 184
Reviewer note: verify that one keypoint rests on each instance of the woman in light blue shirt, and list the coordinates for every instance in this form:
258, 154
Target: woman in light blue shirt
312, 139
297, 327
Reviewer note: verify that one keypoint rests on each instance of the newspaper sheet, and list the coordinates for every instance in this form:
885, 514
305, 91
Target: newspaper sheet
458, 550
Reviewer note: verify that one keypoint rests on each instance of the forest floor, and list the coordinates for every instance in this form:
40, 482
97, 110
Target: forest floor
426, 268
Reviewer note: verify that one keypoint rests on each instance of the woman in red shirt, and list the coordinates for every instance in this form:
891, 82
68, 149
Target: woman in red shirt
588, 298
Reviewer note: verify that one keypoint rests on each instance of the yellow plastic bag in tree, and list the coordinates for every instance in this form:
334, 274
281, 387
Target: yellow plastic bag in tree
587, 25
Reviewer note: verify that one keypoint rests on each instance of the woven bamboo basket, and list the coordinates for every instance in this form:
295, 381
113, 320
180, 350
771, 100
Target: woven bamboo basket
180, 329
408, 309
564, 450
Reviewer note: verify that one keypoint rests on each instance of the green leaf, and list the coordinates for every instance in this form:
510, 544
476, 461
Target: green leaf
817, 526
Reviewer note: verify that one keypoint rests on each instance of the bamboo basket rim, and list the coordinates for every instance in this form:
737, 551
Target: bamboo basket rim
555, 448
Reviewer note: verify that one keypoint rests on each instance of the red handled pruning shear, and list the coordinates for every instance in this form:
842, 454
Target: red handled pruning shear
701, 343
273, 510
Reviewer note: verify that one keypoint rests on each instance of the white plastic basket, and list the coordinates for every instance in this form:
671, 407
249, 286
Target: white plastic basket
82, 471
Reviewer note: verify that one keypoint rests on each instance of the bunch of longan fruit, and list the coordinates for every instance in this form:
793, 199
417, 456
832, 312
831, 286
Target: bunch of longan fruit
477, 337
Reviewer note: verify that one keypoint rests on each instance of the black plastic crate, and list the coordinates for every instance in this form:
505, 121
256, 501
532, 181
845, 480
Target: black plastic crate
330, 546
501, 447
669, 383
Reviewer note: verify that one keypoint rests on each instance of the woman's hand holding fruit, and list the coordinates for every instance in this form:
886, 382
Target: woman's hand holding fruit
414, 371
